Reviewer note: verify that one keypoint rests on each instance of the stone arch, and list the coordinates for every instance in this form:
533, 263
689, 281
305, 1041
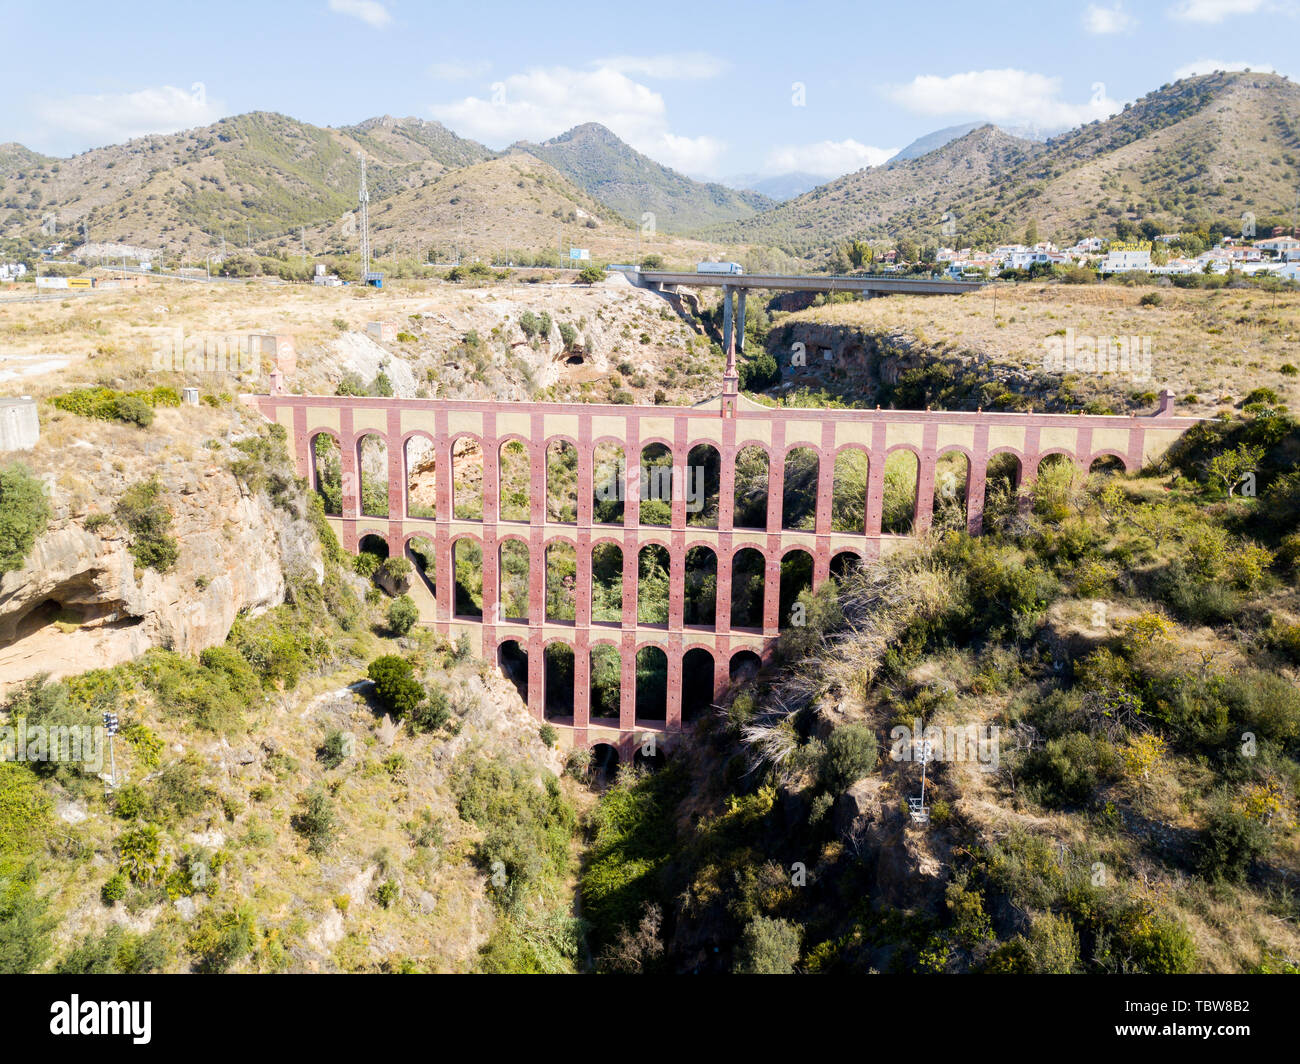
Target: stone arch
421, 552
951, 492
700, 594
748, 575
796, 577
606, 680
562, 480
654, 570
419, 471
656, 472
851, 480
467, 577
604, 762
512, 660
752, 470
697, 683
561, 568
1108, 463
609, 481
607, 581
372, 541
703, 485
467, 477
558, 663
325, 468
514, 584
799, 488
651, 682
514, 479
372, 473
902, 481
743, 666
1003, 475
845, 562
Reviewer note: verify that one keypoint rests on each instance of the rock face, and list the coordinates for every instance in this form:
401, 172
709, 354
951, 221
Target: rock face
81, 601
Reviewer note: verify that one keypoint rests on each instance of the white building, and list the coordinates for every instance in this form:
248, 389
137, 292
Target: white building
1286, 248
1126, 262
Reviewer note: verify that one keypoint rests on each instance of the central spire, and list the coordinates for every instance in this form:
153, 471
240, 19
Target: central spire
731, 376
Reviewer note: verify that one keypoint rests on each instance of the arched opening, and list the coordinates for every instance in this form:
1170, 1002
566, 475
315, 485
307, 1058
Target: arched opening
898, 511
562, 482
466, 479
513, 660
373, 543
1106, 465
1058, 479
651, 762
327, 472
651, 684
703, 483
607, 583
652, 585
748, 571
559, 681
744, 666
420, 553
700, 596
951, 477
844, 564
467, 564
697, 683
750, 502
799, 489
1001, 484
849, 491
608, 484
561, 581
604, 764
656, 485
420, 460
514, 576
372, 466
796, 577
606, 682
515, 481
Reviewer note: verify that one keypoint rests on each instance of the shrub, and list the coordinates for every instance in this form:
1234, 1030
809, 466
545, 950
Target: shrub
1229, 843
134, 411
548, 734
220, 940
395, 685
402, 614
144, 515
591, 275
431, 714
317, 822
1068, 770
850, 754
114, 888
335, 749
769, 947
1151, 299
24, 513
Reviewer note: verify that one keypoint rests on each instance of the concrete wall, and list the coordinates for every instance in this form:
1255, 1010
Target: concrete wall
19, 426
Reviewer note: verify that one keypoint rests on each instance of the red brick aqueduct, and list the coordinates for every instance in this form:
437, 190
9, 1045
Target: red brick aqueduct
728, 423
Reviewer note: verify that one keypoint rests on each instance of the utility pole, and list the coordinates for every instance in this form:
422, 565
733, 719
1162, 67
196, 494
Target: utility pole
110, 729
365, 221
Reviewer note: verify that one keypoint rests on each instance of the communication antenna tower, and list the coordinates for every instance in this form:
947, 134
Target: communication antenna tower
365, 221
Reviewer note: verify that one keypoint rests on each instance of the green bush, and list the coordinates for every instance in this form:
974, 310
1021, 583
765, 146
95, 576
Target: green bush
334, 750
109, 405
850, 755
395, 685
317, 822
431, 714
146, 517
402, 614
1068, 770
769, 947
24, 513
1230, 842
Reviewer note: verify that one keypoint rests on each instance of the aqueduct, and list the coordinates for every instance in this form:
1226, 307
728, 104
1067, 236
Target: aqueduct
581, 651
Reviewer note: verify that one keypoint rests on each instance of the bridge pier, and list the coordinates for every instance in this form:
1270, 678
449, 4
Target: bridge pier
727, 292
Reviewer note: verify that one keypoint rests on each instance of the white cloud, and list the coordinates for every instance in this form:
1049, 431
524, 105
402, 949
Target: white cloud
463, 71
677, 66
1209, 66
371, 12
1212, 11
109, 118
1004, 96
1107, 20
826, 158
540, 103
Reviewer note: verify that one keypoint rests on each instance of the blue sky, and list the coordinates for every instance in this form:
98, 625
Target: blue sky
711, 88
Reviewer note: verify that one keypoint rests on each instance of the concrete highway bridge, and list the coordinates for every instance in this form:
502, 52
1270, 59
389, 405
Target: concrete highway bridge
735, 286
554, 645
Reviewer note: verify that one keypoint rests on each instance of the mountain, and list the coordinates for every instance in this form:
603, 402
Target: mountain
620, 177
254, 175
779, 187
1201, 150
931, 141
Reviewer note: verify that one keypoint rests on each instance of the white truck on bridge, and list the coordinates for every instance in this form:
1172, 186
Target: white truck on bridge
718, 267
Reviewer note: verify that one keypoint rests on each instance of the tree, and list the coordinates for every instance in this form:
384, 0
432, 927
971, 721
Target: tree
395, 685
1230, 466
402, 614
769, 947
850, 755
591, 275
24, 513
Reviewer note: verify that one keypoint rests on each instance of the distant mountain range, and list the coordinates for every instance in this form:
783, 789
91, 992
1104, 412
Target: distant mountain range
1203, 149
